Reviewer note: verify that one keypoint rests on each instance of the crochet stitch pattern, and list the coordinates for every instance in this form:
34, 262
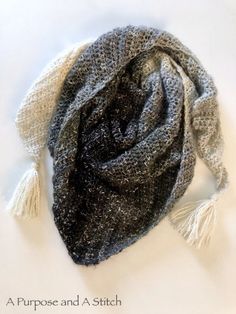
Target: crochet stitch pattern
133, 111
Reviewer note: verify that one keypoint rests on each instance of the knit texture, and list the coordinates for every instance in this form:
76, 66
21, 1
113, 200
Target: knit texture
133, 110
36, 109
32, 122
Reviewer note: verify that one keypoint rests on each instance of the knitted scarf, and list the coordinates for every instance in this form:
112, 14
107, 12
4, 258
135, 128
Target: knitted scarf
123, 118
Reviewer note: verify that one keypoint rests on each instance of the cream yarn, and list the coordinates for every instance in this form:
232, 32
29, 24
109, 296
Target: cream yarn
195, 221
32, 122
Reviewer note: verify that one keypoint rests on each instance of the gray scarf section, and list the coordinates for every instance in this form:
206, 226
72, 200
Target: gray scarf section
133, 110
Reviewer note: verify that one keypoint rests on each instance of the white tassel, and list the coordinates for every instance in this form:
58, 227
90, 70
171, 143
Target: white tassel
25, 201
196, 221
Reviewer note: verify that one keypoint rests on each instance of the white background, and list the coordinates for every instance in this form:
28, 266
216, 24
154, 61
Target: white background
160, 274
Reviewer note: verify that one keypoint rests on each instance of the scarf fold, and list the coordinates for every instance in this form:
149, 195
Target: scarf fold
132, 111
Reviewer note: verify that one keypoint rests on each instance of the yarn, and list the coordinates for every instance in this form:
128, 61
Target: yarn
25, 201
132, 111
32, 123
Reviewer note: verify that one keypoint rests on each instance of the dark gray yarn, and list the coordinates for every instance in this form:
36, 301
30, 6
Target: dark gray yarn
123, 152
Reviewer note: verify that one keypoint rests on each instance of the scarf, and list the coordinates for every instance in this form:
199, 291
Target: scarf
124, 118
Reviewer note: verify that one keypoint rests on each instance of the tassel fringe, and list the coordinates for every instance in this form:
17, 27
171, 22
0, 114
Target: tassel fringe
25, 202
195, 221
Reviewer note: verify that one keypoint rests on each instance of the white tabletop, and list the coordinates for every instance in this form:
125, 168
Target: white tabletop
160, 274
